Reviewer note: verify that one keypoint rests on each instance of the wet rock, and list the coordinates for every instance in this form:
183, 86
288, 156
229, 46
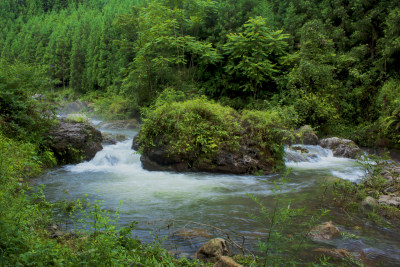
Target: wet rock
305, 135
246, 160
120, 124
194, 232
111, 139
213, 250
369, 204
341, 147
325, 231
299, 154
135, 142
74, 142
334, 253
300, 149
225, 261
389, 200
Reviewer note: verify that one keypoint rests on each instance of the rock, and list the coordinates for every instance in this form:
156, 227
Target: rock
194, 232
225, 261
300, 149
341, 147
300, 154
213, 250
305, 135
135, 142
244, 161
111, 138
389, 200
334, 253
325, 231
369, 204
120, 124
74, 142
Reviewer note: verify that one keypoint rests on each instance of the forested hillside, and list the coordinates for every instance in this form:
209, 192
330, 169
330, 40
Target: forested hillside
335, 62
211, 76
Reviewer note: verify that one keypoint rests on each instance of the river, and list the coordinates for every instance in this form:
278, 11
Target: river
166, 203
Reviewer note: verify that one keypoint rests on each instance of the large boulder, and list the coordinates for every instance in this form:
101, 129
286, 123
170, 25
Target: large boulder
341, 147
213, 250
74, 142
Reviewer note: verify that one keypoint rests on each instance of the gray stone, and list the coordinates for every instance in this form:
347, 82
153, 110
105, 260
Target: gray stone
325, 231
341, 147
73, 142
389, 200
369, 204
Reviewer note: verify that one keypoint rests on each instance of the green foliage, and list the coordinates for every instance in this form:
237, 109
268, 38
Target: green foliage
254, 54
81, 118
191, 128
269, 129
313, 108
166, 54
24, 112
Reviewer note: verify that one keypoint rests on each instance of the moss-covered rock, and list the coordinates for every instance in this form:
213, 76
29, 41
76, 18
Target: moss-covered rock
199, 135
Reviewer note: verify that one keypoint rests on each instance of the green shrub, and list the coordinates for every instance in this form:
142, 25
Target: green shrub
80, 118
192, 127
24, 111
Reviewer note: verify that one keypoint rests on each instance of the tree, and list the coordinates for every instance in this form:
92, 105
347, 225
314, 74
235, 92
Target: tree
254, 54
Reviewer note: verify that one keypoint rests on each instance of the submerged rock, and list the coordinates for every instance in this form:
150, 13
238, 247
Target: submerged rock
120, 124
74, 142
341, 147
213, 250
334, 253
194, 232
325, 231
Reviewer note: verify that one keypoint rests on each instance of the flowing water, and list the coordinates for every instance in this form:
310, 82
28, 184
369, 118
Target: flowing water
164, 202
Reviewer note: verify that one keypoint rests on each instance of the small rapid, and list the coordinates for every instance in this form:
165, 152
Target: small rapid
315, 158
115, 175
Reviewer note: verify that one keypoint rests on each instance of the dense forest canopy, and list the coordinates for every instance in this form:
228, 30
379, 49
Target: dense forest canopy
335, 62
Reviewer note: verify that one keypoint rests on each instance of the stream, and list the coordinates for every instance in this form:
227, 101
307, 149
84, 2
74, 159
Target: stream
163, 203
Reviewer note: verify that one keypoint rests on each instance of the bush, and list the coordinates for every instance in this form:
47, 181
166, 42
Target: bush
24, 112
191, 128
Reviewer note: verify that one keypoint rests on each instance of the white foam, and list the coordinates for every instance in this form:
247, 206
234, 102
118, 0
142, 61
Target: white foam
344, 168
